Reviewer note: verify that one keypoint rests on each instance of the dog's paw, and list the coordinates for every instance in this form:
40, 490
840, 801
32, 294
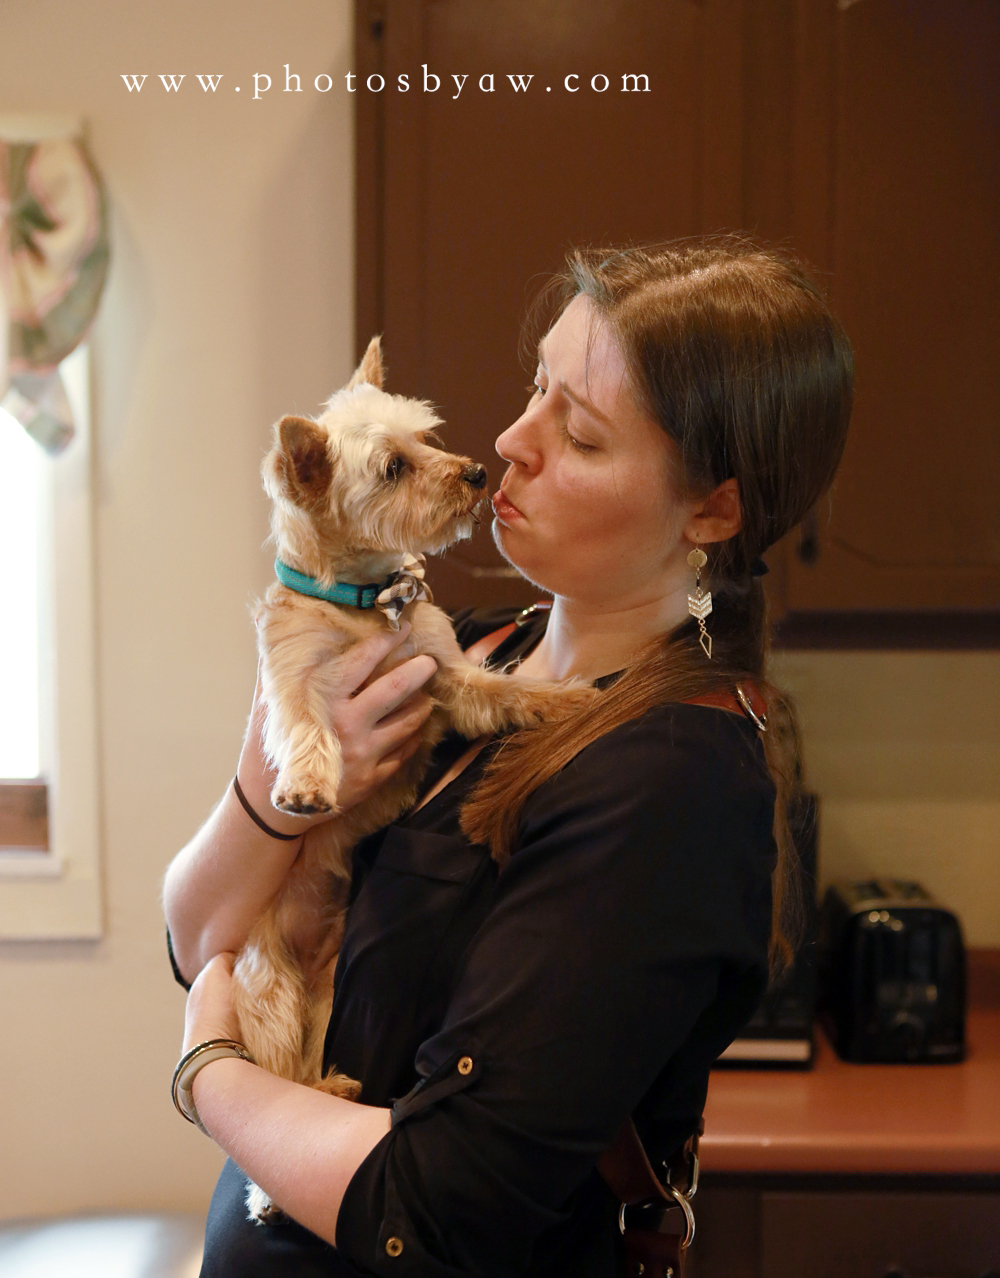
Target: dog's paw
339, 1085
260, 1209
301, 797
544, 702
572, 697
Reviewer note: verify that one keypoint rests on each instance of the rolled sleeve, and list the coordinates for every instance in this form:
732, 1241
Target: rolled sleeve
637, 899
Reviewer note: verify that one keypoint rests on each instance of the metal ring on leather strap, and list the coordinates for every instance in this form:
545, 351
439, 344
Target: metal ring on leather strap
692, 1173
682, 1202
760, 721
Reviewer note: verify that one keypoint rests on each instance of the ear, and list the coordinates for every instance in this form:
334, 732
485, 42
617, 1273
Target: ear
718, 517
303, 460
371, 368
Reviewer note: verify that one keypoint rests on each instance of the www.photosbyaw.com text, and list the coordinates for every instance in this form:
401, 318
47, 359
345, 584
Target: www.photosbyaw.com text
425, 81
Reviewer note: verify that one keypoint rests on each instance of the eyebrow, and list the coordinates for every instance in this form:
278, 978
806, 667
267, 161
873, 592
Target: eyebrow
580, 400
585, 404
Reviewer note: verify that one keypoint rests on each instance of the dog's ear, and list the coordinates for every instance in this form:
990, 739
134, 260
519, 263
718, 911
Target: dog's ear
371, 369
303, 460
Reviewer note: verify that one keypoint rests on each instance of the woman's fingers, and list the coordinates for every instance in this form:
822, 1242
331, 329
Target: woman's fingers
407, 750
390, 763
376, 718
210, 1013
392, 728
398, 735
387, 694
362, 659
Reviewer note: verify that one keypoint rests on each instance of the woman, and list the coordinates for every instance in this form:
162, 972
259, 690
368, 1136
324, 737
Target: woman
566, 930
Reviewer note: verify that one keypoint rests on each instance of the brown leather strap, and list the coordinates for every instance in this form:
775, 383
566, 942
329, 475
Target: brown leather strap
653, 1255
723, 699
629, 1174
626, 1168
482, 648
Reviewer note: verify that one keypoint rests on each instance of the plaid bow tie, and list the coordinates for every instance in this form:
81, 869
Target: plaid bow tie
405, 586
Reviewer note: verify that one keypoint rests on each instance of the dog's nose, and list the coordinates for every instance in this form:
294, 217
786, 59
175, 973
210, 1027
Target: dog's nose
475, 476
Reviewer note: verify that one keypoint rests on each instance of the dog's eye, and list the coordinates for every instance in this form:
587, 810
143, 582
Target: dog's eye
394, 468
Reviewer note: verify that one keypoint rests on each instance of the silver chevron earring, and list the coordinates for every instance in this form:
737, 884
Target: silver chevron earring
700, 603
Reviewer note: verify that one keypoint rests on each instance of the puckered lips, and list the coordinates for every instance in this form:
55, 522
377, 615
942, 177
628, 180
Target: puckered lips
504, 509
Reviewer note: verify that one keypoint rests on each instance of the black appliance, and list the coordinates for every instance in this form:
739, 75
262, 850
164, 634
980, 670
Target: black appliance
780, 1036
892, 974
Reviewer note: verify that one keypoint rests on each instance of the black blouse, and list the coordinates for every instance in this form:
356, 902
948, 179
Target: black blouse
513, 1020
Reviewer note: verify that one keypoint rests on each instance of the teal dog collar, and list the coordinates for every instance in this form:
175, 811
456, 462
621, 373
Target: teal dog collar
390, 597
341, 592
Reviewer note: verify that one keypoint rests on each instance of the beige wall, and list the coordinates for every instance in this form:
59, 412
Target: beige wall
230, 300
904, 750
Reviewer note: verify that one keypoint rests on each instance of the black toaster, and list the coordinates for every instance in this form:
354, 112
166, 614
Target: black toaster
892, 974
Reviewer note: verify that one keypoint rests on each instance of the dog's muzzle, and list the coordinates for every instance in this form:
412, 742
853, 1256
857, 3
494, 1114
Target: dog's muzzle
475, 476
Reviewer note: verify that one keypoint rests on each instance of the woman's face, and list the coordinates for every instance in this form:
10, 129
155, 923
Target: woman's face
587, 508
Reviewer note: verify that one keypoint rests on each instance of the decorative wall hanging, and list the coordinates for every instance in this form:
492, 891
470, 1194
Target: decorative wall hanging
54, 253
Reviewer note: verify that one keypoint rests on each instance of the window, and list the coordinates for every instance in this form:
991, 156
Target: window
49, 879
23, 790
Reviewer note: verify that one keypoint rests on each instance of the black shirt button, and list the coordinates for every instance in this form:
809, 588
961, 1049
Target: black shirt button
465, 1065
394, 1247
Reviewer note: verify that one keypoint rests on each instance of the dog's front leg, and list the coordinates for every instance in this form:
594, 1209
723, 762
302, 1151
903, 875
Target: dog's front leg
271, 999
309, 771
480, 701
302, 747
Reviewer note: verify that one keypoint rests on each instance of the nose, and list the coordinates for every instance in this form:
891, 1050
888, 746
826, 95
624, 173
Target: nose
518, 443
475, 475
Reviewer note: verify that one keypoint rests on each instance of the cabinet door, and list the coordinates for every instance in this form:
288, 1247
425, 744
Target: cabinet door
897, 191
867, 1235
863, 134
727, 1234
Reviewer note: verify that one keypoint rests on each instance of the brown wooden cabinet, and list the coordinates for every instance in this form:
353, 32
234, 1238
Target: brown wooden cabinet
856, 1233
896, 166
862, 134
858, 1171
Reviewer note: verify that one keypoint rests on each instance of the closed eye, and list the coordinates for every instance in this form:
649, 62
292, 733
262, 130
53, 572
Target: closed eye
575, 443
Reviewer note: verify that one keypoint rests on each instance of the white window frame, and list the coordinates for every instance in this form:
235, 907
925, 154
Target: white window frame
56, 894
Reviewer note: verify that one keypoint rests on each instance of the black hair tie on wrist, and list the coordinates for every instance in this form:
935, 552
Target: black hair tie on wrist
287, 838
759, 568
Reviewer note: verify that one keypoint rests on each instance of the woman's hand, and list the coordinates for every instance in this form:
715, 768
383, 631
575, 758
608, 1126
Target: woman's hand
209, 1012
219, 885
377, 724
300, 1145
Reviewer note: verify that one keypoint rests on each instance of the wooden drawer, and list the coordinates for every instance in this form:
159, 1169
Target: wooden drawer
745, 1233
865, 1235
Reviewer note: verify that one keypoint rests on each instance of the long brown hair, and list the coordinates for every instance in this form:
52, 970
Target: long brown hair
733, 350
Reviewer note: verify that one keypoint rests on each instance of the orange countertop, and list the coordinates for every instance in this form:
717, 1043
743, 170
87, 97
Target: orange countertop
867, 1119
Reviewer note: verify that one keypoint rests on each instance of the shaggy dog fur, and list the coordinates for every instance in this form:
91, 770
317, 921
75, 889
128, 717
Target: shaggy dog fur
354, 493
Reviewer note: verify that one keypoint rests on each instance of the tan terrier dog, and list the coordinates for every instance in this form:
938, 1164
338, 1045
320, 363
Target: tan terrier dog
356, 496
